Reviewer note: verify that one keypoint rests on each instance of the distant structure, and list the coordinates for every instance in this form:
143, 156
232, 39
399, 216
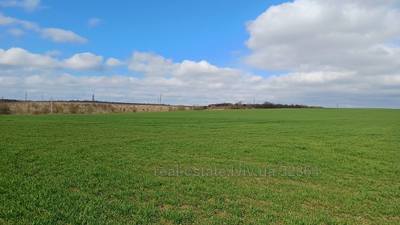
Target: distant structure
93, 98
160, 99
265, 105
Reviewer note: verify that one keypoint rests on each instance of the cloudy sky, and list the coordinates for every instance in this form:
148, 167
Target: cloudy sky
316, 52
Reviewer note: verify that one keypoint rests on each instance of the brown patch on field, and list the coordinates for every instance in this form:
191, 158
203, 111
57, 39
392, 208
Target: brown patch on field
166, 207
166, 222
74, 189
186, 207
222, 214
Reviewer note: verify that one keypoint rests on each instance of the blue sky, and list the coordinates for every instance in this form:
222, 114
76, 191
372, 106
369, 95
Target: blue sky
315, 52
198, 30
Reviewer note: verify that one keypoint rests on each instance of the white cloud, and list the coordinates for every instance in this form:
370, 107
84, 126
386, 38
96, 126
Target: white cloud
18, 57
60, 35
336, 50
113, 62
307, 35
189, 82
53, 34
11, 21
21, 59
84, 61
28, 5
4, 20
150, 64
94, 22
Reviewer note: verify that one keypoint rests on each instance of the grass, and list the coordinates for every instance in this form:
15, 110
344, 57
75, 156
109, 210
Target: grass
120, 168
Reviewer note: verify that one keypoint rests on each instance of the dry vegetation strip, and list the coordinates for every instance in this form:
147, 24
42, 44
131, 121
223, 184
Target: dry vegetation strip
81, 107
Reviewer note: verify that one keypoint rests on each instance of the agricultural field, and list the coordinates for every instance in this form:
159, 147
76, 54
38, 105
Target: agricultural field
293, 166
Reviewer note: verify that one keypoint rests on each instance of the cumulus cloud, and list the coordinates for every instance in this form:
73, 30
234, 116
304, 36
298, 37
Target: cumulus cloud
84, 61
113, 62
28, 5
308, 35
187, 82
22, 59
53, 34
150, 64
343, 51
60, 35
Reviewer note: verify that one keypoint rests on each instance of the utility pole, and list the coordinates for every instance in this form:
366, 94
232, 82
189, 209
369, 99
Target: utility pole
51, 105
93, 97
26, 100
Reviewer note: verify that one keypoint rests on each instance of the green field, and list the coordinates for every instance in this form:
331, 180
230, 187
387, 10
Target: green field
324, 166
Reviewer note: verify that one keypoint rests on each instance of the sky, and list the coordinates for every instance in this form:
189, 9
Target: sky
314, 52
